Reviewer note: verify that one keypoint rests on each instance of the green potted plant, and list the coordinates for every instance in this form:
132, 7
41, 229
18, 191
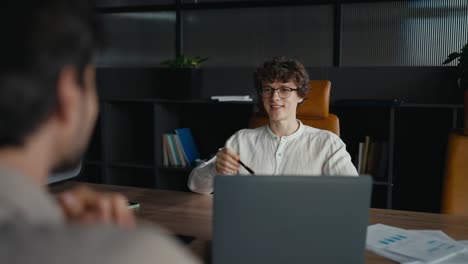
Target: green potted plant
462, 73
183, 62
181, 78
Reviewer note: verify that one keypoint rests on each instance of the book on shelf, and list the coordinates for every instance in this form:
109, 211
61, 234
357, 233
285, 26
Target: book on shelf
174, 159
180, 153
174, 150
179, 149
363, 155
188, 145
373, 158
166, 153
360, 157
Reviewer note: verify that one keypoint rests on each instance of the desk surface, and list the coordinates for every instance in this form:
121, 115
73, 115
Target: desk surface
191, 214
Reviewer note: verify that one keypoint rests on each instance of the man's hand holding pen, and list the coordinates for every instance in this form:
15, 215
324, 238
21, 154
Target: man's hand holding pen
228, 162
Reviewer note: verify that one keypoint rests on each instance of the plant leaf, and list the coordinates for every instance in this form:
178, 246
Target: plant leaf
184, 62
451, 57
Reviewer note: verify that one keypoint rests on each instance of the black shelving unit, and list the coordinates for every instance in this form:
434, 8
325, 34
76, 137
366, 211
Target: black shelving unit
421, 136
417, 137
211, 124
127, 143
126, 148
376, 120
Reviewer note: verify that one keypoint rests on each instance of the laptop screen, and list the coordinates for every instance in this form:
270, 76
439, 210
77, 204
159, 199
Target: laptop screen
290, 219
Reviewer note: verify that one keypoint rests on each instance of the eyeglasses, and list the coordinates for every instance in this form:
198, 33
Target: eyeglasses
283, 92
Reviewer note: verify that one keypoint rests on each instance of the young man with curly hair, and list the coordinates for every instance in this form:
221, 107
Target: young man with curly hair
284, 146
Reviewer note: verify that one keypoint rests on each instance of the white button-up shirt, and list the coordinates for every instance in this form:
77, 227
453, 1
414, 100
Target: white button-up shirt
308, 151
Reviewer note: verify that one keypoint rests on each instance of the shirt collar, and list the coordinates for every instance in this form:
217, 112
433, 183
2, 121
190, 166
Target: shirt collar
294, 135
22, 200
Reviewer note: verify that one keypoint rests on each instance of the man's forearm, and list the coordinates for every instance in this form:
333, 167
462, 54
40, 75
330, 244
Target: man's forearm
201, 178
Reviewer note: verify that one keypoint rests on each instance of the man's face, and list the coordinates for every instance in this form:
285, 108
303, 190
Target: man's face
85, 113
280, 104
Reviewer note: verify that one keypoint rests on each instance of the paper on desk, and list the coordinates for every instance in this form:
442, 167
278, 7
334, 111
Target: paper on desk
228, 98
373, 244
460, 258
406, 246
434, 233
426, 248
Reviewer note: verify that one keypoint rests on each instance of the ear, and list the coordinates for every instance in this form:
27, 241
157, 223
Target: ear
300, 100
68, 94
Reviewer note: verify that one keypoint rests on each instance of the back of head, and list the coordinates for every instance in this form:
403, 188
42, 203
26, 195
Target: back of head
40, 38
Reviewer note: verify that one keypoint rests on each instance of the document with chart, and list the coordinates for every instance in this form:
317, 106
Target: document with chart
409, 246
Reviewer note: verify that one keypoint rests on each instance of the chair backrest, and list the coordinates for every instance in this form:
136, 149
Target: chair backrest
312, 112
455, 192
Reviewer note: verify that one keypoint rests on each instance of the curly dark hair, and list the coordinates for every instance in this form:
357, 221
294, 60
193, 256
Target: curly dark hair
285, 70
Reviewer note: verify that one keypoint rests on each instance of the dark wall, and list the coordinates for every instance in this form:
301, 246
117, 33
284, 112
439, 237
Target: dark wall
411, 84
434, 85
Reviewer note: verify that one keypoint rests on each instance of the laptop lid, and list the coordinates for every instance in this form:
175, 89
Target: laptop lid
58, 176
290, 219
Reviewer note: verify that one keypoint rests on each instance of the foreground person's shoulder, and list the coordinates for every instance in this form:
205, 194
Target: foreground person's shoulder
98, 244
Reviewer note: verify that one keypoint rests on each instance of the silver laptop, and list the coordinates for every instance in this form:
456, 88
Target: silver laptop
290, 219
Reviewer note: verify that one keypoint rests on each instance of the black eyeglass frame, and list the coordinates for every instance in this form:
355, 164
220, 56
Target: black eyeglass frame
273, 91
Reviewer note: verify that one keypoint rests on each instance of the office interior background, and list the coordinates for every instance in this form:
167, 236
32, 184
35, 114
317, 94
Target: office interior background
383, 58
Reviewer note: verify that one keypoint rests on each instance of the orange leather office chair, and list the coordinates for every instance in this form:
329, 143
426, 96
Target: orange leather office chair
312, 112
455, 192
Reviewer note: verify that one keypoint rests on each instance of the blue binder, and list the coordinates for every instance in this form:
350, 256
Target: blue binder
188, 144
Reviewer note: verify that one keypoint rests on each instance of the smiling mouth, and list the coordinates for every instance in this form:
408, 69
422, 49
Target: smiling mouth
275, 106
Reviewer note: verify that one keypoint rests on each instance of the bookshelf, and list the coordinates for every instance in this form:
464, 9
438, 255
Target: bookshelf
126, 147
421, 133
416, 135
129, 133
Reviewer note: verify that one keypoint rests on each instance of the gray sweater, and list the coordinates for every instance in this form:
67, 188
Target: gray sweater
33, 230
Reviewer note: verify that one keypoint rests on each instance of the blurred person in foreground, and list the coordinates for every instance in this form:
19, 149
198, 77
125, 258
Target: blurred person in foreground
48, 107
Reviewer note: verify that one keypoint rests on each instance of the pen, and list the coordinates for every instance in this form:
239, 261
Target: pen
247, 168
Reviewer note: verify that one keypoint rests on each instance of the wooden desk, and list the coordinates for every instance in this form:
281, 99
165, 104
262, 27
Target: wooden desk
191, 214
